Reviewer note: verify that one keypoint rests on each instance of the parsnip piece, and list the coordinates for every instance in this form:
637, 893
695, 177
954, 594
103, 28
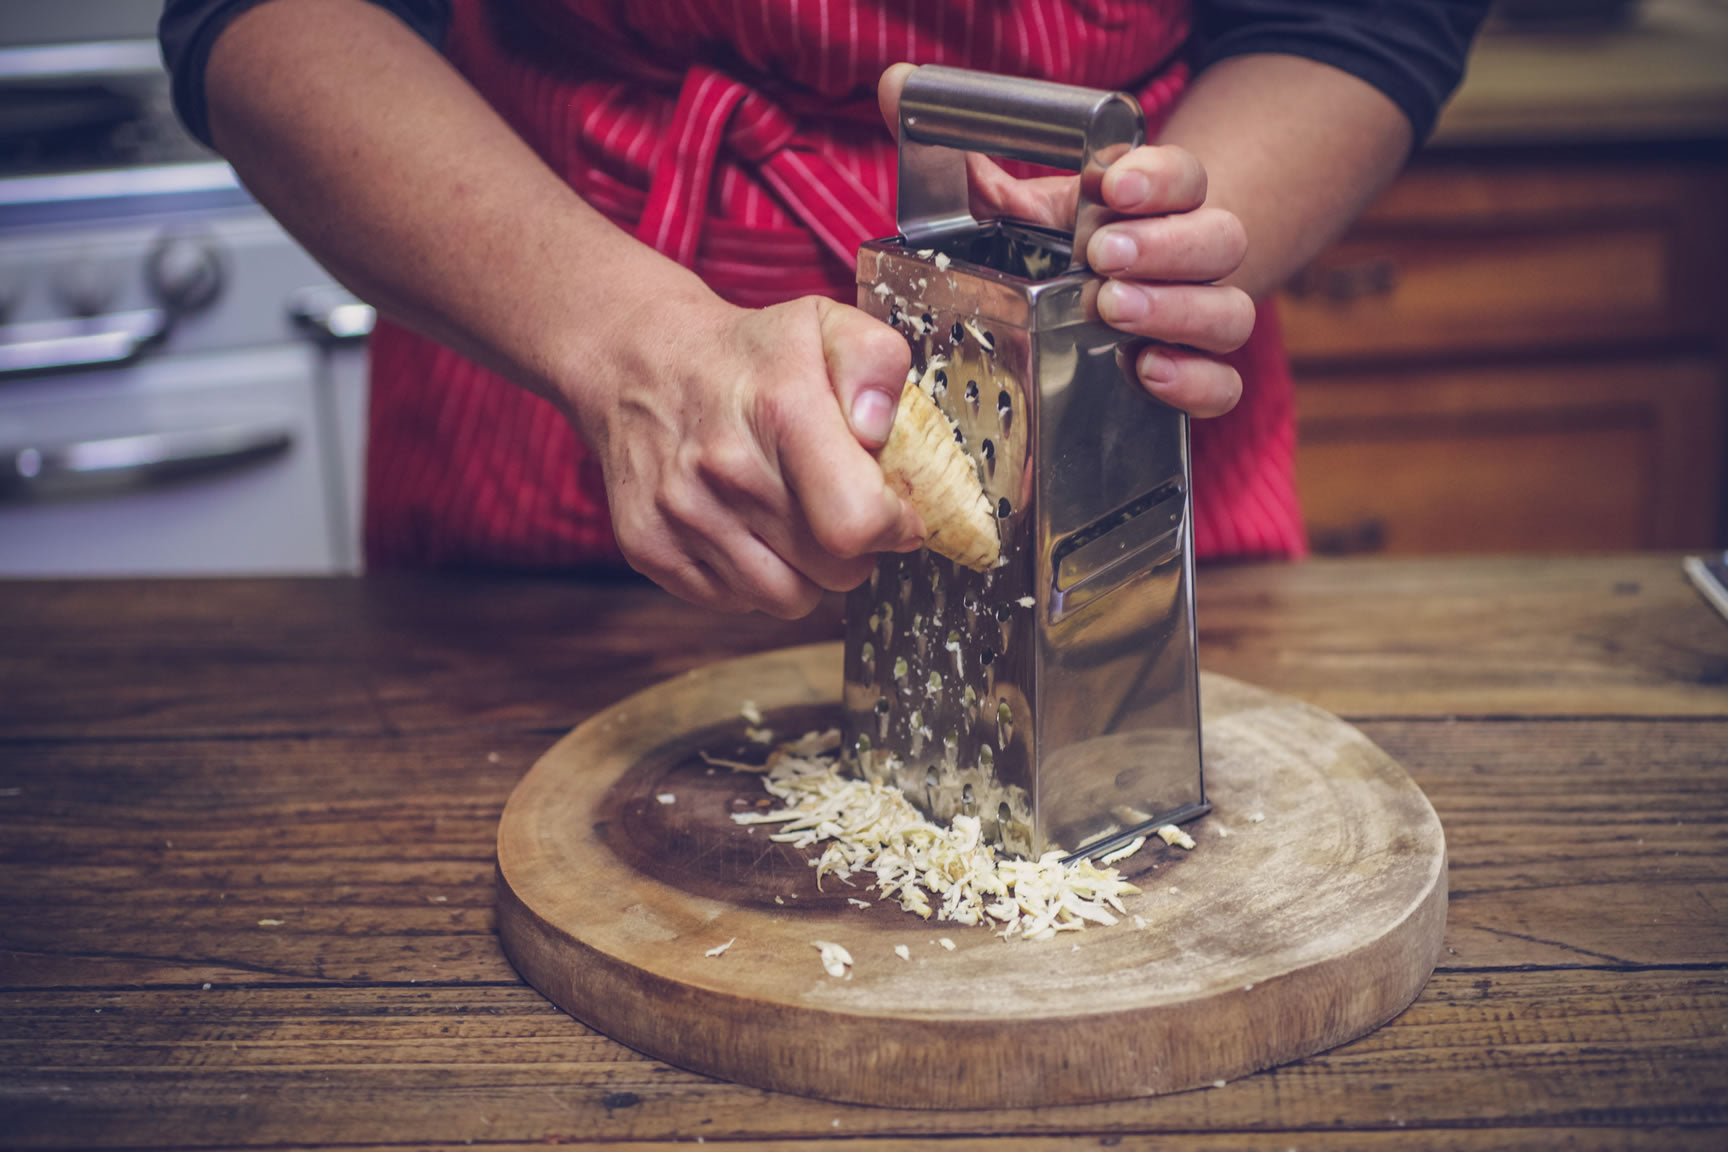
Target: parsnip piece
923, 463
1173, 835
836, 961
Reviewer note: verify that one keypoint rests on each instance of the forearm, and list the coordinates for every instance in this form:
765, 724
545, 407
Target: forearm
1296, 149
396, 175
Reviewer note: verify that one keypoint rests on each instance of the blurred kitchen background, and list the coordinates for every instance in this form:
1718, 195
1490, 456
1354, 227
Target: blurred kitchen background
182, 389
1523, 346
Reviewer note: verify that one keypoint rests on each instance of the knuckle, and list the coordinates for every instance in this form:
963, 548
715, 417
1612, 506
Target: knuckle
780, 404
676, 504
883, 345
730, 469
791, 598
848, 532
847, 574
803, 603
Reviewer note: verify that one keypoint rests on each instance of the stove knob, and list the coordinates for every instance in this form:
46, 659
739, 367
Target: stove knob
185, 272
85, 288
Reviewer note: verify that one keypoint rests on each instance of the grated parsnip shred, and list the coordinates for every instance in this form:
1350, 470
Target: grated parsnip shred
1174, 836
873, 832
836, 961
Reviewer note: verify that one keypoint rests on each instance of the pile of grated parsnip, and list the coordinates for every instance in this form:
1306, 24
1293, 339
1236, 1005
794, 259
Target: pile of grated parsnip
950, 873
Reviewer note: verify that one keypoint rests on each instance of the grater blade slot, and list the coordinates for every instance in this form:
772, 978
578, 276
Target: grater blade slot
1097, 559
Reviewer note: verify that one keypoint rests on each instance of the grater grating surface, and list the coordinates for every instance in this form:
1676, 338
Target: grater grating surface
1054, 697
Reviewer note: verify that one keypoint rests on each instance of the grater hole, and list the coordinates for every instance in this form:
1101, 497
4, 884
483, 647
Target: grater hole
987, 657
1004, 509
966, 796
939, 388
988, 448
959, 437
972, 393
1004, 814
958, 332
1004, 410
1004, 721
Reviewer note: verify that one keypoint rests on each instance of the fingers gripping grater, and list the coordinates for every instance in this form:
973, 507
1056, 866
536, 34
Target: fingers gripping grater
1054, 697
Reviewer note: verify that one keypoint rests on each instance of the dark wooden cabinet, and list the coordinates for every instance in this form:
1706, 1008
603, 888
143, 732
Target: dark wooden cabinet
1520, 351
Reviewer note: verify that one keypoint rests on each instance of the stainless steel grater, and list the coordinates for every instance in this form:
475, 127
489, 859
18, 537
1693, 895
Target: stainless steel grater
1055, 697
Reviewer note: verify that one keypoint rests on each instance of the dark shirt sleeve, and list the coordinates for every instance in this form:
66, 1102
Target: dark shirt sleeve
189, 28
1411, 50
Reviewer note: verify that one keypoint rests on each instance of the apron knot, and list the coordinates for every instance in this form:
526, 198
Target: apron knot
715, 110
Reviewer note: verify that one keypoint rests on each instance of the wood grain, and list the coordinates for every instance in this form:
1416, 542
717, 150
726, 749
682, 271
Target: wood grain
1430, 458
1510, 637
395, 1066
180, 761
1281, 940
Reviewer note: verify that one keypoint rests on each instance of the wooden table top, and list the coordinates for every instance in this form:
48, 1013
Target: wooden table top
246, 878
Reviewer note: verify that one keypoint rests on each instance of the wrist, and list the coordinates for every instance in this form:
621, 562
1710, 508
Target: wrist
638, 340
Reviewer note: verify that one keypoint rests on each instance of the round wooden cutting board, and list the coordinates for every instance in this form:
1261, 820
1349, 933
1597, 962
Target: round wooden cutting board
1310, 912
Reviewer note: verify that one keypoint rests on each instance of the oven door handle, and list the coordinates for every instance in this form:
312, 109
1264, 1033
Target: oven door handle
38, 472
331, 316
99, 341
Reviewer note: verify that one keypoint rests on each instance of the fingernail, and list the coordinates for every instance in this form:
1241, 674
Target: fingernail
872, 415
1115, 252
1119, 304
1157, 368
1131, 188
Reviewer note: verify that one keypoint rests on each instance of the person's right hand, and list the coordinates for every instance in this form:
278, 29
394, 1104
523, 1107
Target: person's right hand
737, 453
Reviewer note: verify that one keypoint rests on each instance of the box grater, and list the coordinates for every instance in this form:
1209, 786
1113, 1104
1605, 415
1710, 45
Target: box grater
1055, 696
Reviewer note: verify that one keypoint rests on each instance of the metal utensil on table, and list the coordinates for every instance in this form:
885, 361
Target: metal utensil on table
1054, 697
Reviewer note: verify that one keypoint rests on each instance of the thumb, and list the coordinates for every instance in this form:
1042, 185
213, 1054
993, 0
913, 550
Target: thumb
867, 363
888, 94
847, 501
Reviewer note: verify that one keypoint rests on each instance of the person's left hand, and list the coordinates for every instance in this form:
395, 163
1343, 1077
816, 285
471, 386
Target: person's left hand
1161, 261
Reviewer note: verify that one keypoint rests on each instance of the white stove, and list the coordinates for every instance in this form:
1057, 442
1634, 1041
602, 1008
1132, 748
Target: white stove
182, 389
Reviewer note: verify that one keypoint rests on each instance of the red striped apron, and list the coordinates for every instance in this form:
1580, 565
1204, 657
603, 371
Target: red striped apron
743, 140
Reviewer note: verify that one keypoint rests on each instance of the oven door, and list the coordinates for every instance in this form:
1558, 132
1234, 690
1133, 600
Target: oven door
214, 464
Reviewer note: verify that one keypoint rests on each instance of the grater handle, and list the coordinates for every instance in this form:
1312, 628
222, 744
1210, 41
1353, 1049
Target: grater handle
945, 111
